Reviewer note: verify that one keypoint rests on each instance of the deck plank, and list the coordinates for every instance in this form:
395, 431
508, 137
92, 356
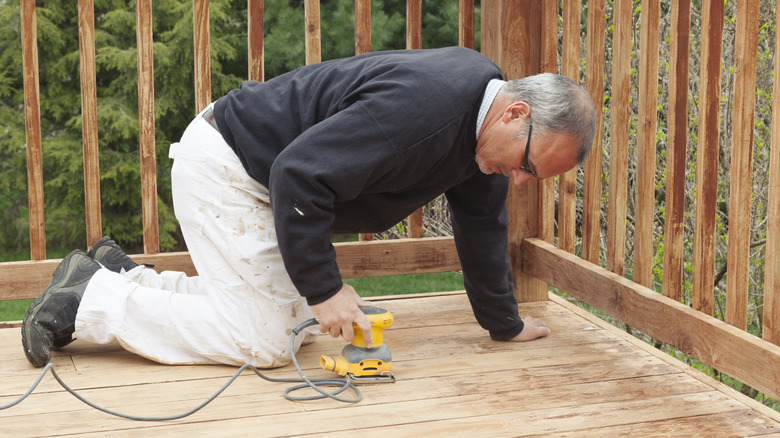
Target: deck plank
585, 379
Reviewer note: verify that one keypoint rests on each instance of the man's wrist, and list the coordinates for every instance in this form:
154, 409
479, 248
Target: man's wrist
506, 335
317, 299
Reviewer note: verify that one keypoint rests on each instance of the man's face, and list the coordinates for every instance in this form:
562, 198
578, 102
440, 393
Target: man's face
500, 150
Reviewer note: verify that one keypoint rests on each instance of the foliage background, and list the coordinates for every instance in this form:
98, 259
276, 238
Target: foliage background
58, 59
284, 50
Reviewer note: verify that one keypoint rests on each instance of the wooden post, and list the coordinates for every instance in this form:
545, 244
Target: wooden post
646, 144
741, 183
618, 148
594, 82
771, 321
146, 126
414, 42
32, 121
89, 128
255, 37
674, 227
548, 63
202, 44
707, 155
567, 182
313, 39
362, 26
466, 23
363, 45
511, 37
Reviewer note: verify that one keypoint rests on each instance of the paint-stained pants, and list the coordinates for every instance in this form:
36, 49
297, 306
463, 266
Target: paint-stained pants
242, 306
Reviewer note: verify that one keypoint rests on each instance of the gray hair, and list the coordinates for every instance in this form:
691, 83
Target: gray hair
558, 106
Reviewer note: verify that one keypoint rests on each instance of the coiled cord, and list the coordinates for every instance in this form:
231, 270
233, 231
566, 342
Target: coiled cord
315, 384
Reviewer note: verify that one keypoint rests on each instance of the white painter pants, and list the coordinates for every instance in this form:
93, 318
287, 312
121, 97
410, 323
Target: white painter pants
242, 306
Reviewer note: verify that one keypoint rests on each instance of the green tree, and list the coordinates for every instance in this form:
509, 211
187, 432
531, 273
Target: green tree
115, 40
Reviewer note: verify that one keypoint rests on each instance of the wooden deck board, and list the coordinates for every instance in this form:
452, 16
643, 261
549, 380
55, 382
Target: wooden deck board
586, 379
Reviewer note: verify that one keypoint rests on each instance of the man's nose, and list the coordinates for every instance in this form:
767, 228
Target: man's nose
519, 177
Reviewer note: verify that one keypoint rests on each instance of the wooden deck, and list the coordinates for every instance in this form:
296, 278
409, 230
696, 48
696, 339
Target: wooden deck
586, 379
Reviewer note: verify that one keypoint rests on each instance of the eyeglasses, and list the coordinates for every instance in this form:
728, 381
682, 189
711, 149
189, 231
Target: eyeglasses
525, 168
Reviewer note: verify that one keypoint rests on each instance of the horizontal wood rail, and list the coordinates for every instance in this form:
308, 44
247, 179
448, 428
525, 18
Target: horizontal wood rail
27, 279
709, 340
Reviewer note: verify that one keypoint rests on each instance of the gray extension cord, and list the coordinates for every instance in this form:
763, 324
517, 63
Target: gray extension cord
315, 384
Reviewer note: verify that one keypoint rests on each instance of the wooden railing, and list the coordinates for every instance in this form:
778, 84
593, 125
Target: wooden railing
523, 38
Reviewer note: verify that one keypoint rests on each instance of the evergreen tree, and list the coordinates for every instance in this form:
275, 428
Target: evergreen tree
117, 105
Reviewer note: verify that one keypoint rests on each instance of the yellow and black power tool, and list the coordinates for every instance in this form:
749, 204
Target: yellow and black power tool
360, 364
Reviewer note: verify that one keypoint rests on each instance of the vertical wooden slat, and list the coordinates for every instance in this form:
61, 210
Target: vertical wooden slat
414, 42
89, 130
549, 64
618, 144
413, 24
202, 47
415, 221
707, 156
677, 154
144, 40
646, 144
362, 26
313, 40
363, 45
567, 182
32, 121
594, 82
466, 23
255, 37
771, 322
741, 184
511, 37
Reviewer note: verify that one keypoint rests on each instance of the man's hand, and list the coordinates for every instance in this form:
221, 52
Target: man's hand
533, 329
336, 315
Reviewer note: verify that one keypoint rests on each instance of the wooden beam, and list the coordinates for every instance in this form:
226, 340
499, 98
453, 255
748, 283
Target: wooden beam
646, 143
413, 24
567, 182
719, 345
255, 39
741, 184
466, 23
28, 279
511, 37
146, 126
362, 26
676, 156
415, 225
202, 50
771, 321
313, 41
89, 125
594, 82
707, 156
548, 63
619, 111
32, 122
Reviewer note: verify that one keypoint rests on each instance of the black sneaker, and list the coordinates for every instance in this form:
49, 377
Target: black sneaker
106, 252
51, 319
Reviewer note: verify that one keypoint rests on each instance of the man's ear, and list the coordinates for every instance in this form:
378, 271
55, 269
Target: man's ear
516, 111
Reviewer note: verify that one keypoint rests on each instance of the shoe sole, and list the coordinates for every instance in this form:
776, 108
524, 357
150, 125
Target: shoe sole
67, 270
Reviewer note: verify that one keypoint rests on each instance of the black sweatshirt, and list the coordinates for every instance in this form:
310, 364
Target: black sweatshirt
358, 144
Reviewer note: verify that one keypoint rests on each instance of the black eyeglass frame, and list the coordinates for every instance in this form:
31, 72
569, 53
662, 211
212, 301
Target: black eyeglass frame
525, 167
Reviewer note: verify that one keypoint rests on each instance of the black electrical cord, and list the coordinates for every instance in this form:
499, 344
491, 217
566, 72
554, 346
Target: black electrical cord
315, 384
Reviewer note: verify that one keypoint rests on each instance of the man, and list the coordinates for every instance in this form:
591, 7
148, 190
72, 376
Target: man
264, 175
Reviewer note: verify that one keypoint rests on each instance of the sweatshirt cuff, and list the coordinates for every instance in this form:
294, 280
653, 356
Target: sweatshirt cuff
505, 335
317, 299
